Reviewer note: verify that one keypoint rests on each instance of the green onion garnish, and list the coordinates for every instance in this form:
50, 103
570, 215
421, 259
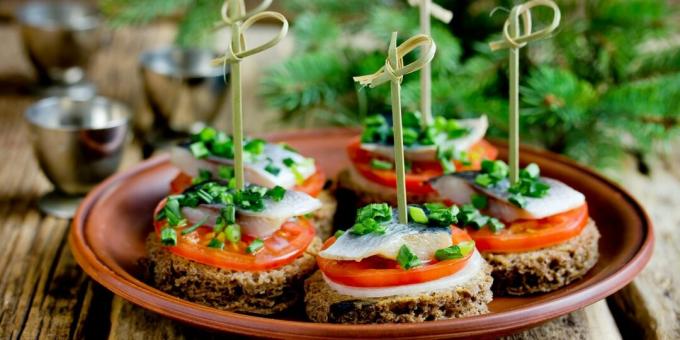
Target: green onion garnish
195, 226
417, 215
199, 150
168, 237
233, 233
254, 246
381, 165
406, 258
215, 243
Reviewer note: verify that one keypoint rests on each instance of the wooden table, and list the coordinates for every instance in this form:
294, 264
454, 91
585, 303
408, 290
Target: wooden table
45, 293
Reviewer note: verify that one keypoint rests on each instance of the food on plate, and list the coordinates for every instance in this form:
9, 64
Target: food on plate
382, 271
445, 146
209, 155
537, 234
240, 250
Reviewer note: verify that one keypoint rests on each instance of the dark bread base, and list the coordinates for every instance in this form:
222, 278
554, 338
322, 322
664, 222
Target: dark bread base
324, 304
547, 269
265, 292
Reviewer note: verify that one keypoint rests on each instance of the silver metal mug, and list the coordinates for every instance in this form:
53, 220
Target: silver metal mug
78, 143
60, 39
183, 89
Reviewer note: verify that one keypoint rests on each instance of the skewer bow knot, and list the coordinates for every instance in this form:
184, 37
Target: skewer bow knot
523, 11
234, 14
394, 69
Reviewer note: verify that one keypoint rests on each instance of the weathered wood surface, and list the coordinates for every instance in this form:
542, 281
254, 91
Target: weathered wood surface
45, 294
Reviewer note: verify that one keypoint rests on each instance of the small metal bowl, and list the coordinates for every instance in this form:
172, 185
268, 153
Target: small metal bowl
59, 38
183, 89
78, 143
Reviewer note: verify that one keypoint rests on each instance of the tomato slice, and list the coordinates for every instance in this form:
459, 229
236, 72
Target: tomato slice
313, 185
526, 235
379, 272
280, 249
421, 172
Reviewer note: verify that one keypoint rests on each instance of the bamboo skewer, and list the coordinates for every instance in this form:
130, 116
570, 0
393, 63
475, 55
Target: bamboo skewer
393, 72
235, 16
513, 40
427, 9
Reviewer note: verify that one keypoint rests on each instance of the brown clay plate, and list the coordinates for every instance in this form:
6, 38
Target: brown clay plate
108, 232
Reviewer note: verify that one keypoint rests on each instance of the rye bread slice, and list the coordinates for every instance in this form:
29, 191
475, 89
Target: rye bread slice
324, 304
264, 292
546, 269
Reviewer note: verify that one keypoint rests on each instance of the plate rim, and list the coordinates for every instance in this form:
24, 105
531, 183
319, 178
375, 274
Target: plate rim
157, 301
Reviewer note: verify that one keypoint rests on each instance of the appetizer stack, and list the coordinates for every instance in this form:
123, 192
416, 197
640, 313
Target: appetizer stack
209, 155
243, 226
408, 265
243, 250
540, 237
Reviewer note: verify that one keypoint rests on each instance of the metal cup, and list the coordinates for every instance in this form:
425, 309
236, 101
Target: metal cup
59, 38
78, 143
183, 89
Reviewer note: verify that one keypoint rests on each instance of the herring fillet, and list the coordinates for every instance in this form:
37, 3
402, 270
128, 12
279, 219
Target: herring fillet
422, 241
262, 223
460, 187
477, 126
255, 168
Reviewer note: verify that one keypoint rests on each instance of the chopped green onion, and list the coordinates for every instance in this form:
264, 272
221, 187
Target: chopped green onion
205, 196
367, 226
207, 134
484, 180
518, 200
168, 237
480, 201
254, 246
199, 150
406, 258
380, 164
215, 243
380, 212
276, 193
195, 226
417, 215
339, 233
225, 172
272, 169
228, 213
203, 175
454, 252
233, 233
288, 162
287, 146
531, 171
255, 146
495, 225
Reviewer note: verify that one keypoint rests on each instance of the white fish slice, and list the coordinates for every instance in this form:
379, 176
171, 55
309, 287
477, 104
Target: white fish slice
477, 127
422, 241
460, 187
258, 224
255, 172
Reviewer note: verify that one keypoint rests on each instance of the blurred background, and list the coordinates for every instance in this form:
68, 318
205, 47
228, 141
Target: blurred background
604, 88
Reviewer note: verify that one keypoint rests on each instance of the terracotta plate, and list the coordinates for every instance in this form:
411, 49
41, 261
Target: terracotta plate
107, 239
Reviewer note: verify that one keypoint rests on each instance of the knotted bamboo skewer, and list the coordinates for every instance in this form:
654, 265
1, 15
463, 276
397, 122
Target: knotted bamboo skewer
513, 40
393, 72
427, 9
235, 16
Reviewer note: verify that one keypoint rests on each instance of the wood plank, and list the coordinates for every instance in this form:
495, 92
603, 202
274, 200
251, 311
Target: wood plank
650, 306
593, 322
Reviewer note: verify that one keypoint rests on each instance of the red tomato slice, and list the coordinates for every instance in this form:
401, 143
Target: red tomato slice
312, 185
421, 172
280, 249
526, 235
379, 272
